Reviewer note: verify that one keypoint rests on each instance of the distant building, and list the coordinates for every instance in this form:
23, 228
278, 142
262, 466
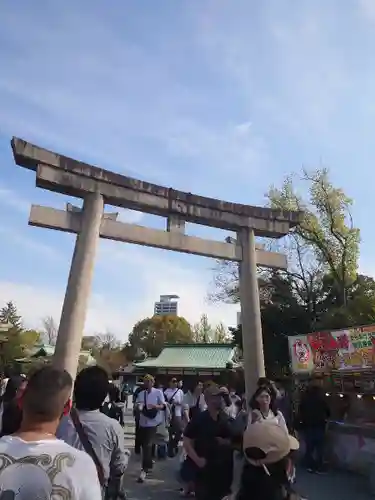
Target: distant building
167, 306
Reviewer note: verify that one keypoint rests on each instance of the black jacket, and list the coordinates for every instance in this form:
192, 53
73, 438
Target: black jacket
313, 410
11, 419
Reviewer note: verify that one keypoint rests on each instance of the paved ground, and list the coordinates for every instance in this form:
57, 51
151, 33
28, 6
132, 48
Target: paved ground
163, 484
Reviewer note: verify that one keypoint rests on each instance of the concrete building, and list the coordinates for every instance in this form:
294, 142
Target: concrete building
167, 306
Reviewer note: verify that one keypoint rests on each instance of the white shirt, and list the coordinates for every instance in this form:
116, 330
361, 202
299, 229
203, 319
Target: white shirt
190, 401
178, 398
154, 397
46, 469
4, 384
271, 417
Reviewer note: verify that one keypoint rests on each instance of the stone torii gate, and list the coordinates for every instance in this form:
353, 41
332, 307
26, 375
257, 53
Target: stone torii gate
97, 187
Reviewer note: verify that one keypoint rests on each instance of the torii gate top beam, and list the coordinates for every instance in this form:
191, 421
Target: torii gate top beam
65, 175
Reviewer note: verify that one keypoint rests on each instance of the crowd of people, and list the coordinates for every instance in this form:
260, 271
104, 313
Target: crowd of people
60, 439
56, 440
222, 433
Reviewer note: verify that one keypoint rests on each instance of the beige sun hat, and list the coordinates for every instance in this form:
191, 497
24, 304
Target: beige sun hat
270, 440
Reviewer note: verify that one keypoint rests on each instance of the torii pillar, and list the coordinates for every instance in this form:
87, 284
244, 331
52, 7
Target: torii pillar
97, 186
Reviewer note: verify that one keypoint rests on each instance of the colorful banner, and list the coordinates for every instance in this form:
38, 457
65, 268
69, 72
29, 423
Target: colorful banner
352, 348
301, 354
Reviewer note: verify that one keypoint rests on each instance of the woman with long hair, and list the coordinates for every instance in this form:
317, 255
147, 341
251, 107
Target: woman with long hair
264, 402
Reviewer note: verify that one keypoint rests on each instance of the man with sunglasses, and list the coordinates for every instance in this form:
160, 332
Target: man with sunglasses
33, 463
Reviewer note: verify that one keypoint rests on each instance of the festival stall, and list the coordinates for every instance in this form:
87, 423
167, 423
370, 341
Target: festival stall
343, 363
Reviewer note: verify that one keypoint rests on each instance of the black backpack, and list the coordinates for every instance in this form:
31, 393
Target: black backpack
112, 411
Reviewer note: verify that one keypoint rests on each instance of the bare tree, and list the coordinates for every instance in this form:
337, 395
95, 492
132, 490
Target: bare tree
50, 329
107, 341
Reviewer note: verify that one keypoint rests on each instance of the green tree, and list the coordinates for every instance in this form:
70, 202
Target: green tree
220, 334
321, 288
322, 251
327, 233
9, 314
11, 343
203, 332
150, 334
29, 338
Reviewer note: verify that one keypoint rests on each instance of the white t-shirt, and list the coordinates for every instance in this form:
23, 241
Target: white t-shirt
271, 417
154, 397
178, 398
46, 469
190, 401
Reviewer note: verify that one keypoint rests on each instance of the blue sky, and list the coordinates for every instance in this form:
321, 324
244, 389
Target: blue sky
217, 97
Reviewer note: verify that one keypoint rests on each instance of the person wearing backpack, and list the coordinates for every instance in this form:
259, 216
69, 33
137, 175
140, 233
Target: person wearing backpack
174, 397
111, 408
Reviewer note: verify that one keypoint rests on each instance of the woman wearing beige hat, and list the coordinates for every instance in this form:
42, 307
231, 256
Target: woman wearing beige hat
266, 448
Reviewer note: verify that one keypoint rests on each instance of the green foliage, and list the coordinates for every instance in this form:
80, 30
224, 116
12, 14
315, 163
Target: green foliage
150, 334
9, 314
221, 334
321, 288
327, 229
203, 332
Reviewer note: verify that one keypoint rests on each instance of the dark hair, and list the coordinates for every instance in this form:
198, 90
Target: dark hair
114, 393
46, 393
262, 381
254, 405
11, 388
91, 388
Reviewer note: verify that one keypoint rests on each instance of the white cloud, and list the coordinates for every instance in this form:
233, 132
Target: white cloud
301, 77
35, 302
155, 274
121, 96
158, 274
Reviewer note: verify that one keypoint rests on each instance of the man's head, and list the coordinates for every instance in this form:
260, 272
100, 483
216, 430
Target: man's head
173, 384
148, 382
198, 388
213, 396
91, 388
46, 395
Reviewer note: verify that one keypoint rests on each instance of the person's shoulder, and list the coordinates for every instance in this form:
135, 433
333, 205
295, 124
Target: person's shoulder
116, 426
6, 442
106, 420
61, 446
